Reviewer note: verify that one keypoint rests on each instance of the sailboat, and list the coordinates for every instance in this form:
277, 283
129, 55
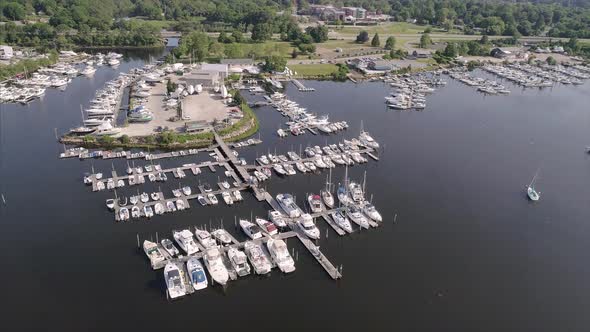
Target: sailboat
530, 190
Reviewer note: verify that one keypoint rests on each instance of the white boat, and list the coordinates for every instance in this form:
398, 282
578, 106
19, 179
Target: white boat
148, 212
213, 199
370, 211
169, 247
222, 236
159, 209
88, 71
205, 238
227, 198
180, 205
288, 205
186, 190
153, 252
277, 218
239, 261
124, 214
356, 192
267, 226
315, 203
202, 200
135, 212
280, 254
258, 259
110, 203
357, 217
328, 198
237, 195
214, 264
367, 140
155, 196
342, 221
185, 240
196, 274
176, 193
174, 281
190, 89
250, 229
170, 207
308, 226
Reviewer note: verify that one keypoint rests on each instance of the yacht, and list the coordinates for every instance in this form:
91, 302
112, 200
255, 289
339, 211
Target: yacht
180, 205
110, 203
170, 207
342, 221
267, 226
288, 205
153, 252
315, 203
169, 247
213, 199
176, 193
124, 214
174, 281
250, 229
205, 238
257, 258
237, 195
155, 196
308, 226
225, 185
186, 242
135, 212
202, 200
279, 169
227, 198
159, 209
222, 236
357, 217
134, 200
186, 190
328, 198
356, 192
367, 140
280, 254
148, 212
277, 218
239, 261
371, 212
144, 197
196, 274
215, 265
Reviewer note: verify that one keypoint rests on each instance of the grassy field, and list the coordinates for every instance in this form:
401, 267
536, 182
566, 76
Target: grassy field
385, 28
314, 69
259, 50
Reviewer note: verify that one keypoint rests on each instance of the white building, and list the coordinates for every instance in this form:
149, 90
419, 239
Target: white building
6, 52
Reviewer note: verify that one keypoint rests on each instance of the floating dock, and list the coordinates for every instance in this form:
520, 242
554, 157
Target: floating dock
301, 87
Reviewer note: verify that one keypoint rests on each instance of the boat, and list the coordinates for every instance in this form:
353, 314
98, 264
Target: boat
159, 209
250, 229
367, 140
227, 198
239, 261
328, 198
225, 185
207, 187
169, 247
277, 218
356, 192
342, 194
148, 212
215, 265
124, 214
134, 200
288, 205
180, 205
213, 199
170, 207
204, 238
342, 221
202, 200
531, 192
176, 193
174, 281
267, 226
144, 197
135, 212
110, 203
185, 240
196, 274
155, 196
237, 195
308, 226
153, 252
259, 261
370, 211
357, 217
315, 203
280, 254
222, 236
186, 190
279, 169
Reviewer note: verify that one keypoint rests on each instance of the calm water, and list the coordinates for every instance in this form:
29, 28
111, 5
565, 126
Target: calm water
468, 252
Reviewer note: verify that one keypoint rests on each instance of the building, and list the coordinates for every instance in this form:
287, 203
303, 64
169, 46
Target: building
382, 65
241, 66
205, 78
220, 68
356, 12
197, 126
6, 52
326, 12
500, 53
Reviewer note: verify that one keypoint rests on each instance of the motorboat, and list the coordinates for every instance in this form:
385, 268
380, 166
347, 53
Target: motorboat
176, 193
280, 254
135, 212
237, 195
250, 229
174, 281
159, 209
110, 203
180, 205
342, 194
279, 169
370, 211
155, 196
289, 169
225, 185
328, 198
207, 187
204, 238
170, 207
357, 217
259, 261
144, 197
267, 226
227, 198
222, 236
315, 203
308, 226
196, 274
185, 240
202, 200
367, 140
148, 212
342, 221
531, 192
277, 218
288, 205
213, 199
239, 261
134, 200
153, 252
124, 214
186, 190
214, 264
169, 247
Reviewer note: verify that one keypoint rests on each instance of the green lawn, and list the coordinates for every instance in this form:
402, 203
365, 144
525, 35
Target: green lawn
259, 50
314, 69
385, 28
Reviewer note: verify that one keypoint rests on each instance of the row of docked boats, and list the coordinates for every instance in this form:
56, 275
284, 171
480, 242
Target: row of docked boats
483, 85
551, 73
410, 91
300, 119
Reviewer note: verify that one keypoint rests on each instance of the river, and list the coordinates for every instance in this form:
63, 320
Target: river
467, 252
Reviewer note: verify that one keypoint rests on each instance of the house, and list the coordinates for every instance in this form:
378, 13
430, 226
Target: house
500, 53
382, 65
207, 79
558, 49
200, 126
356, 12
6, 52
220, 68
241, 66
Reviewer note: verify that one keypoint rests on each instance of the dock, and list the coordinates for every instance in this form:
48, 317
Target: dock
300, 86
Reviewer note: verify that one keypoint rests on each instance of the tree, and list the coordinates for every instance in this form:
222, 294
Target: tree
484, 39
319, 34
428, 30
551, 61
261, 32
451, 50
170, 86
375, 42
390, 43
425, 41
14, 11
237, 36
222, 37
274, 63
294, 53
573, 45
195, 44
362, 37
124, 139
